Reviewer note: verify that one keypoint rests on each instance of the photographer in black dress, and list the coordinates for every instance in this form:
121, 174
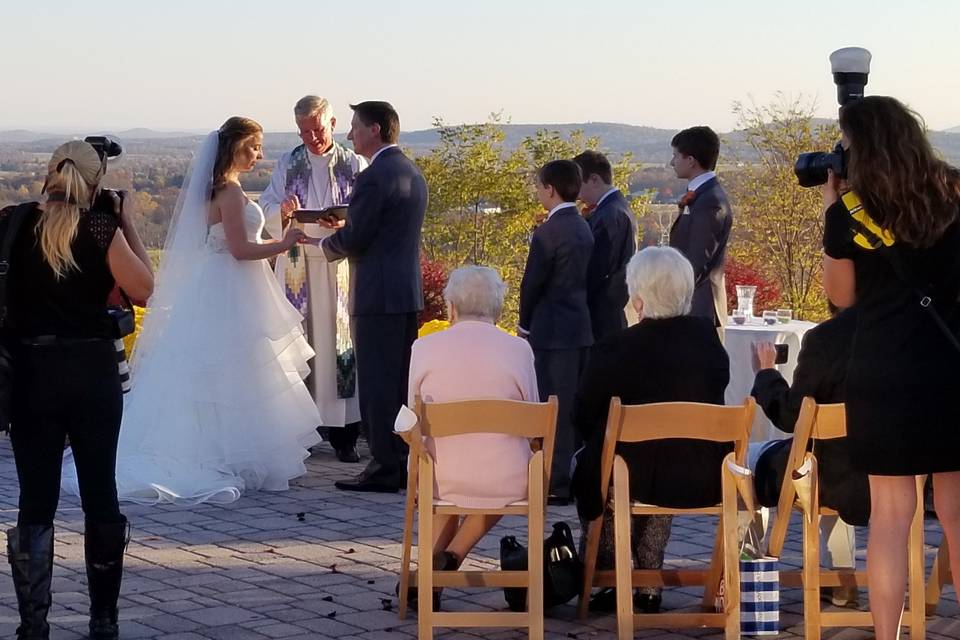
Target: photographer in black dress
67, 253
892, 245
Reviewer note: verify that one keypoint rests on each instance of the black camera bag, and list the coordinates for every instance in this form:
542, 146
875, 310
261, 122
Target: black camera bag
562, 569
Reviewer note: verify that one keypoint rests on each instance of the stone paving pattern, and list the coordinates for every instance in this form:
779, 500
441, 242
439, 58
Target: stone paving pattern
315, 562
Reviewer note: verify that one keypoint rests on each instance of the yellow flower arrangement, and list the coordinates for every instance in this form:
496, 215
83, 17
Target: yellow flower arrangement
130, 340
432, 327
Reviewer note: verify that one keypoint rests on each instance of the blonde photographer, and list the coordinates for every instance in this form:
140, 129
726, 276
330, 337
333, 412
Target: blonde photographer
68, 252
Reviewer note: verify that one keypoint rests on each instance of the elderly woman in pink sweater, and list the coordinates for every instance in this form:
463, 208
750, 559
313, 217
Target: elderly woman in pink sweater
473, 359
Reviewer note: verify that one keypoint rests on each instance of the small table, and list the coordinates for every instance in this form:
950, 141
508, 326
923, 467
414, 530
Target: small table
738, 341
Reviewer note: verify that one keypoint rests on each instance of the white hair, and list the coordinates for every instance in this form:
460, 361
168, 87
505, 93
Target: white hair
310, 106
663, 279
475, 292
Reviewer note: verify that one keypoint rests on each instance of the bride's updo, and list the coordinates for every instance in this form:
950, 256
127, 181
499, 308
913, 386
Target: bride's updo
232, 133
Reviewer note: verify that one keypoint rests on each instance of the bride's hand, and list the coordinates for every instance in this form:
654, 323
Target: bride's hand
292, 236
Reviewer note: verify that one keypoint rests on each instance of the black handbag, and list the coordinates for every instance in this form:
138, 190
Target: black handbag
6, 363
562, 569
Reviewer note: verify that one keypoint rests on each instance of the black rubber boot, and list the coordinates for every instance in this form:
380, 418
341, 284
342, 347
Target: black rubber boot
103, 546
30, 553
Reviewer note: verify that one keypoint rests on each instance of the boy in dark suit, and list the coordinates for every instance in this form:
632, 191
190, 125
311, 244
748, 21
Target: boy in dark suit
554, 316
702, 228
614, 243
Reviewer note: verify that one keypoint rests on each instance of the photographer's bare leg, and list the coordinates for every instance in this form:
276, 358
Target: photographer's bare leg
894, 501
946, 498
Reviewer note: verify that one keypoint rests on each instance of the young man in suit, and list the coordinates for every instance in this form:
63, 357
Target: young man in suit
554, 316
614, 243
702, 228
381, 241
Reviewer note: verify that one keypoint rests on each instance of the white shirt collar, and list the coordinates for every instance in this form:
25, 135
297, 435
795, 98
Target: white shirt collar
700, 180
382, 149
604, 196
562, 205
326, 155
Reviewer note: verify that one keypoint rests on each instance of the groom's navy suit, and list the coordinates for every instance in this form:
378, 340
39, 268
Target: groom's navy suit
381, 241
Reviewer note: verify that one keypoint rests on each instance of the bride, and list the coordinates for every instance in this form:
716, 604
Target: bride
218, 404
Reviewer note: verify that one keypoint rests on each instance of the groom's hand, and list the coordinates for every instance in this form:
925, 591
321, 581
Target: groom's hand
331, 223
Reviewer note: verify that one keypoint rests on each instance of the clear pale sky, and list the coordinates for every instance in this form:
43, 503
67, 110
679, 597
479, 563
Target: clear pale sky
178, 64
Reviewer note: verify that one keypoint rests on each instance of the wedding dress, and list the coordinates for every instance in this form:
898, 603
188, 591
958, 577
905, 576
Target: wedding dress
218, 404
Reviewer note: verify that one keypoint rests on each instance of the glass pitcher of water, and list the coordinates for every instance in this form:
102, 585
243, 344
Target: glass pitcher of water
745, 295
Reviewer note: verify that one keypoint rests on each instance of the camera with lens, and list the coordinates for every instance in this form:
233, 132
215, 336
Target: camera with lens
121, 318
106, 148
850, 67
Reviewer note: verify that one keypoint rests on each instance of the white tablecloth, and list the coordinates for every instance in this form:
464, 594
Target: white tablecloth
738, 341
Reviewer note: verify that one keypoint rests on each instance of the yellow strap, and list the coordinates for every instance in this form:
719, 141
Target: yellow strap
855, 207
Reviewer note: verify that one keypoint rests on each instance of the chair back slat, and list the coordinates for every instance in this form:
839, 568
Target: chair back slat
536, 421
831, 422
645, 422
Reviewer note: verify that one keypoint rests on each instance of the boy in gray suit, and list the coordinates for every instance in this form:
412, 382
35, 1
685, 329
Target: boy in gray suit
702, 228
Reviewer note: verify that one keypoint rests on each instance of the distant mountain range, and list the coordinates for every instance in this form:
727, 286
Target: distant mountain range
647, 144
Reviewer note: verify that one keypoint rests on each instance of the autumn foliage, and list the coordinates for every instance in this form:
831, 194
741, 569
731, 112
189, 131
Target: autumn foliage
434, 281
768, 293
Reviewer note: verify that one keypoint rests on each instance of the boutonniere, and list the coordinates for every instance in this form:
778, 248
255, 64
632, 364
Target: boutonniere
684, 203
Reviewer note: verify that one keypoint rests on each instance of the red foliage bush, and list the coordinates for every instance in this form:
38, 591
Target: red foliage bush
768, 293
434, 280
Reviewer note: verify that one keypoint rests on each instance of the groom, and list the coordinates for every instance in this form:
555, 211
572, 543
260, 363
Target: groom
381, 241
319, 173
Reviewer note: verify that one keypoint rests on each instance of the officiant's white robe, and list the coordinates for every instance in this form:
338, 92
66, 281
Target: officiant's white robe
323, 281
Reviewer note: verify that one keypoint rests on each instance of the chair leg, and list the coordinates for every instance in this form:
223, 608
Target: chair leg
589, 565
535, 522
730, 555
407, 548
938, 577
425, 555
811, 578
622, 555
711, 587
918, 621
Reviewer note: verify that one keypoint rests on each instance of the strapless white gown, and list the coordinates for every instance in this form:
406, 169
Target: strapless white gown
219, 407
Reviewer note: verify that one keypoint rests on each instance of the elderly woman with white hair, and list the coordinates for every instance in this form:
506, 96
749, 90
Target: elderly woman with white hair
669, 356
473, 359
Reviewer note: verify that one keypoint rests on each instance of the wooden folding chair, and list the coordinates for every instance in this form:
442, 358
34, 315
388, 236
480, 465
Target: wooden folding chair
535, 421
800, 491
939, 577
640, 423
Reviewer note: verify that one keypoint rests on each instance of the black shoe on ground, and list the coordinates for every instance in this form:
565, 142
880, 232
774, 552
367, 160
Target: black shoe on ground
375, 479
442, 561
558, 501
605, 601
347, 454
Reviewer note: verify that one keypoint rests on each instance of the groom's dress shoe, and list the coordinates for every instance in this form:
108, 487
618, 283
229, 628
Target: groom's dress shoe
347, 454
374, 479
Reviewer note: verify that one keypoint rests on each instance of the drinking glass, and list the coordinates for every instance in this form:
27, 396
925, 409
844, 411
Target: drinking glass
769, 317
784, 316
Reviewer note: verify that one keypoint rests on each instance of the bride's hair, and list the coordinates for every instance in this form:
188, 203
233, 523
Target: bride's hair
234, 131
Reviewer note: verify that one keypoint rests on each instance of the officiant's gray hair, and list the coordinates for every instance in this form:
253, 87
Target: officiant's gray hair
310, 106
663, 279
475, 292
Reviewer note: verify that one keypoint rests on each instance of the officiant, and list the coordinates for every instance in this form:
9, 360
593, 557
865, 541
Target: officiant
317, 174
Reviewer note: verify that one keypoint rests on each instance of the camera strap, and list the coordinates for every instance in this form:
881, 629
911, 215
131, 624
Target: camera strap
868, 235
13, 226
